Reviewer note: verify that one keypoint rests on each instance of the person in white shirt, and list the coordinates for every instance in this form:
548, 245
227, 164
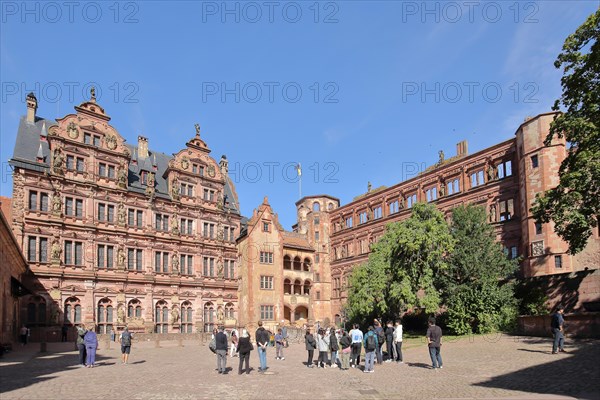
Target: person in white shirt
398, 342
357, 337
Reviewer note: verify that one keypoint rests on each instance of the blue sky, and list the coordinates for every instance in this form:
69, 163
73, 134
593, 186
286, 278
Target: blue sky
356, 91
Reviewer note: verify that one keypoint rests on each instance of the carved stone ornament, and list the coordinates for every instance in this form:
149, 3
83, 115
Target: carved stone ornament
111, 141
211, 171
537, 248
185, 163
72, 130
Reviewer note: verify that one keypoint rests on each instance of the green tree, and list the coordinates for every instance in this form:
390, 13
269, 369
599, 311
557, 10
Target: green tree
402, 267
574, 205
475, 287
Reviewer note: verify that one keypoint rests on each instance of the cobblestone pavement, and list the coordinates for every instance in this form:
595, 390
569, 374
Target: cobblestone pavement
489, 367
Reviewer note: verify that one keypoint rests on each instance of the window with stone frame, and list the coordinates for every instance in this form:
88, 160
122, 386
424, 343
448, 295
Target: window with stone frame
266, 312
506, 209
362, 217
105, 256
106, 212
134, 259
229, 269
394, 207
73, 253
38, 201
73, 207
161, 262
431, 194
208, 266
266, 282
186, 264
504, 169
411, 200
477, 178
453, 186
37, 249
377, 212
161, 222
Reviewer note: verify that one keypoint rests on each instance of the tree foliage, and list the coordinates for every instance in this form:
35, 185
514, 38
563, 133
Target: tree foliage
475, 287
400, 273
574, 205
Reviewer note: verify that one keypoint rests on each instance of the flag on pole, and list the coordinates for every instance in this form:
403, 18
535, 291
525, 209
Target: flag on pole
299, 169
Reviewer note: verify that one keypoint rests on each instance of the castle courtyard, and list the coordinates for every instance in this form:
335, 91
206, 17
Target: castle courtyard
479, 367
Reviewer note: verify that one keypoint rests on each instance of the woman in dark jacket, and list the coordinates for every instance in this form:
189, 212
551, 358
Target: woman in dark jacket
345, 342
311, 345
244, 347
333, 346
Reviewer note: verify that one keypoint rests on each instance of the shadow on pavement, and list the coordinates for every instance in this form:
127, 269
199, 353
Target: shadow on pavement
536, 351
572, 374
20, 369
419, 365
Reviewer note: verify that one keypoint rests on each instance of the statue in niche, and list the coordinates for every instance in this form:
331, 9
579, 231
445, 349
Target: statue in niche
493, 216
442, 189
121, 314
491, 174
174, 315
401, 204
150, 180
121, 214
175, 225
56, 204
121, 258
175, 264
58, 161
56, 250
122, 177
175, 189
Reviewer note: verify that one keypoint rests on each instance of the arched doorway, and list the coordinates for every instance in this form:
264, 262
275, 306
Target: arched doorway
300, 312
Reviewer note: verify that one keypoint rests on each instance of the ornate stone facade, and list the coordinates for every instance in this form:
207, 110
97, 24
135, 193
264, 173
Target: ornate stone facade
122, 235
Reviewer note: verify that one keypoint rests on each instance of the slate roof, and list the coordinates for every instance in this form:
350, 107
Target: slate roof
28, 144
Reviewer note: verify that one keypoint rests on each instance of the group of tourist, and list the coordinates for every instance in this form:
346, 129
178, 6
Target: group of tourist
87, 344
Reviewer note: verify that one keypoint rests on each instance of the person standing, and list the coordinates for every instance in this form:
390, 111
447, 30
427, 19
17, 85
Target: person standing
557, 325
356, 336
389, 341
125, 339
346, 344
380, 339
371, 347
81, 331
91, 345
262, 341
323, 344
63, 333
279, 345
221, 343
434, 342
23, 333
398, 341
333, 345
234, 344
244, 348
284, 334
112, 335
311, 345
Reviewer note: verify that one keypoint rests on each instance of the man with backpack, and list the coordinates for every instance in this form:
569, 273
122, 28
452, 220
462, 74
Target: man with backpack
371, 345
125, 339
380, 339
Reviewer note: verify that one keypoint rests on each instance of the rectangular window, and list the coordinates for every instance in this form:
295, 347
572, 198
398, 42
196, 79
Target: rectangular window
130, 259
87, 138
316, 221
157, 261
102, 169
96, 141
266, 257
558, 262
208, 264
111, 172
318, 296
69, 206
80, 164
70, 162
161, 222
377, 213
105, 256
316, 236
506, 210
165, 262
43, 250
79, 208
33, 200
394, 207
477, 179
266, 282
317, 277
44, 202
78, 253
316, 258
138, 260
504, 169
513, 252
431, 194
139, 215
266, 312
411, 200
101, 211
349, 222
131, 217
144, 177
534, 161
265, 227
454, 186
230, 266
362, 217
161, 262
31, 249
538, 228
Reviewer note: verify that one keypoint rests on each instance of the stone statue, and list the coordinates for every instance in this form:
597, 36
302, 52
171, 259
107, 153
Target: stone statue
220, 314
175, 188
197, 126
493, 216
220, 201
58, 161
174, 315
442, 189
121, 314
121, 258
150, 180
56, 250
93, 93
121, 214
441, 157
122, 177
220, 269
369, 214
56, 204
369, 187
175, 225
490, 173
401, 203
175, 264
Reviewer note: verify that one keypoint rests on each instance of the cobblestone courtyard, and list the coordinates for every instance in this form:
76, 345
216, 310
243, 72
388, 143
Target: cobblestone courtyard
480, 367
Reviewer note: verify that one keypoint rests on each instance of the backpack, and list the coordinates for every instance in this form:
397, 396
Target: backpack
125, 339
370, 345
213, 345
380, 336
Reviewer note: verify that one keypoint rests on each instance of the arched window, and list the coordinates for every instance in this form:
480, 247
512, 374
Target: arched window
306, 264
134, 309
161, 317
287, 286
297, 264
229, 311
209, 317
297, 287
72, 311
104, 317
36, 311
316, 206
287, 262
186, 317
307, 287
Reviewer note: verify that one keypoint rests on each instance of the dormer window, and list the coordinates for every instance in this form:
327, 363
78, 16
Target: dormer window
144, 177
265, 227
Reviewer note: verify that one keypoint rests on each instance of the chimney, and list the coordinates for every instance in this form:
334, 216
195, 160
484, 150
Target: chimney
224, 165
462, 149
142, 147
31, 108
